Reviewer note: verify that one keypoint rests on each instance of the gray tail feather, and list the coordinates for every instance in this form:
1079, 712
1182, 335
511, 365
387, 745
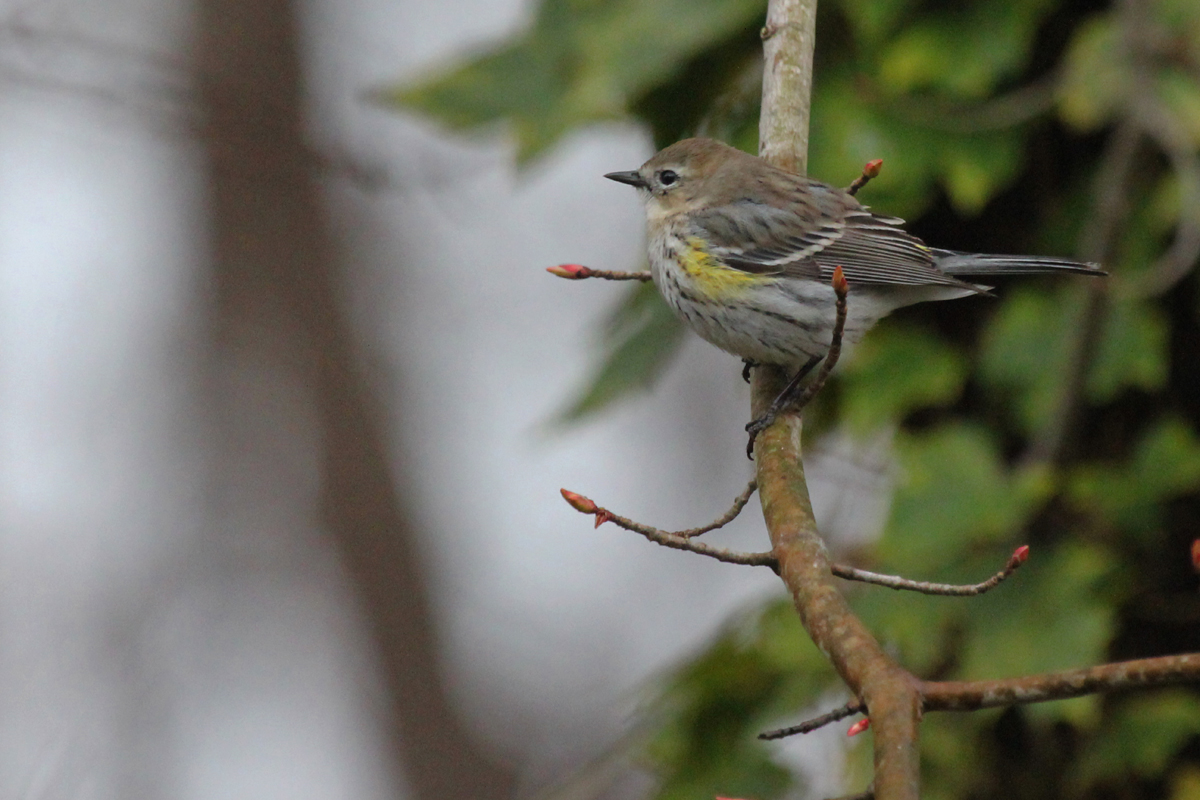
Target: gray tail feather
970, 265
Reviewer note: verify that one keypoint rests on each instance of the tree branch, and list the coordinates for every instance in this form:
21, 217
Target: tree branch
810, 725
577, 272
679, 540
789, 39
889, 691
1121, 676
729, 516
924, 587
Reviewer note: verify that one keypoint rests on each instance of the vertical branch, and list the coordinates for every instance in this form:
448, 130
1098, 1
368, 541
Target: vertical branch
789, 40
890, 693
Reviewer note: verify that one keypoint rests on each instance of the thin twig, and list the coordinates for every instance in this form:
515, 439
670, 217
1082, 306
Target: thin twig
671, 539
870, 170
840, 288
925, 587
729, 516
810, 725
577, 272
787, 398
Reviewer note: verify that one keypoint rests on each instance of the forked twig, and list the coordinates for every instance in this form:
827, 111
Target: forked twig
729, 516
1018, 558
679, 540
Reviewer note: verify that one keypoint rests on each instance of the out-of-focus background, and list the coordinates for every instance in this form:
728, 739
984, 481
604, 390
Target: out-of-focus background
286, 399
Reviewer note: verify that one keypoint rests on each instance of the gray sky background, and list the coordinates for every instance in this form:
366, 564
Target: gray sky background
163, 631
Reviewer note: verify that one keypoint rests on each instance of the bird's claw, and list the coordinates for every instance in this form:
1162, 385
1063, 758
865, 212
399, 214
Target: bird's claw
755, 427
747, 365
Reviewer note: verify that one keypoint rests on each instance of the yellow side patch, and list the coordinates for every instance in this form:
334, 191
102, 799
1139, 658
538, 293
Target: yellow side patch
710, 277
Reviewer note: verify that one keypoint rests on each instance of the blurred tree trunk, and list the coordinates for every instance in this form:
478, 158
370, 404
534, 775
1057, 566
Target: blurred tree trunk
273, 260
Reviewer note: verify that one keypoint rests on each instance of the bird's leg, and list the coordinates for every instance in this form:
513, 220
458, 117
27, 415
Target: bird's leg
747, 365
780, 403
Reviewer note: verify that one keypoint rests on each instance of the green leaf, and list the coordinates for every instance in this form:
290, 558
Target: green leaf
639, 341
1132, 352
895, 371
977, 166
965, 53
953, 495
1185, 783
917, 628
1096, 74
761, 667
1025, 351
1165, 464
1181, 94
872, 20
717, 94
1027, 345
1052, 617
950, 751
849, 129
582, 61
1141, 738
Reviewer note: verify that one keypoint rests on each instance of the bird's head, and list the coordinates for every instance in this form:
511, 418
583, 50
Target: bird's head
680, 177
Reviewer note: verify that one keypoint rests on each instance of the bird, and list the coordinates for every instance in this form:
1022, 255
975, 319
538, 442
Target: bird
744, 253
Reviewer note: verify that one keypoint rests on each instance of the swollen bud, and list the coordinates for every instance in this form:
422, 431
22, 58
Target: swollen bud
1196, 555
839, 281
1020, 555
578, 502
571, 272
871, 170
859, 726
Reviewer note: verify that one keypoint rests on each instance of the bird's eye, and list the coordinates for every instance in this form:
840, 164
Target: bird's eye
667, 177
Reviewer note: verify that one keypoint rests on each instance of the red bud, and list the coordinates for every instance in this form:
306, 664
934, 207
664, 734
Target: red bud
1196, 555
571, 272
871, 170
578, 502
839, 281
1020, 555
603, 515
859, 726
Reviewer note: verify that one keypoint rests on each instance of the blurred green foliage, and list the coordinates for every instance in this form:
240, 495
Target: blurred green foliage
993, 118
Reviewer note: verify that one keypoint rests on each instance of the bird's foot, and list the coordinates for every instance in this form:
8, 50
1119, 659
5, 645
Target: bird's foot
756, 426
747, 365
785, 398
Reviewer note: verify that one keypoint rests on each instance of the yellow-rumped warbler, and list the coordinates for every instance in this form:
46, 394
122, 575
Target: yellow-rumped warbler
744, 252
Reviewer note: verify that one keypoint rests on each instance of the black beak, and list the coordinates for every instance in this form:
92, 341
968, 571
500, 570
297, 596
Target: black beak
633, 178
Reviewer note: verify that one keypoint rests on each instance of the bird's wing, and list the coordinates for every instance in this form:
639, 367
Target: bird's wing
804, 240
